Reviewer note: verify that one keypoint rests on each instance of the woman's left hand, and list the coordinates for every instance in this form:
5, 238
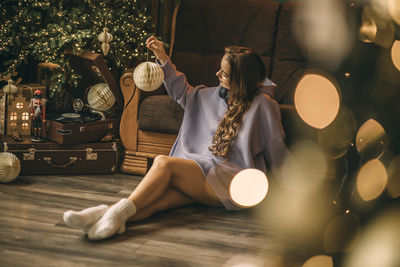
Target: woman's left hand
157, 47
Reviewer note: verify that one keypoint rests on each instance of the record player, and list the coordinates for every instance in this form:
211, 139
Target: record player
88, 123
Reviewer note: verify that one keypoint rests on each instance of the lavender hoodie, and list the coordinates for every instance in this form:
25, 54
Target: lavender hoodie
259, 143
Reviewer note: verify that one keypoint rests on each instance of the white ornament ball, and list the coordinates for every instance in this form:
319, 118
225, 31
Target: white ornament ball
148, 76
10, 167
100, 97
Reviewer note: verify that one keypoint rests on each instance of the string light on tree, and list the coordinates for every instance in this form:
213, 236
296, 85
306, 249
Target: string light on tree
51, 26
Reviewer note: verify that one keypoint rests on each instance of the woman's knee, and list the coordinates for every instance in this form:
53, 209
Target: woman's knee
162, 162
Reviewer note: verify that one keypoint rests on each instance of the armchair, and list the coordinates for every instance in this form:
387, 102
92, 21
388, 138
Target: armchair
200, 30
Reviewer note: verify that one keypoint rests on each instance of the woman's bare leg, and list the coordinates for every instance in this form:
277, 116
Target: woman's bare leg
168, 172
170, 182
169, 200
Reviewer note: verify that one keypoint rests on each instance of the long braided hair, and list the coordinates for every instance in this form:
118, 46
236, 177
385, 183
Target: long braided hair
247, 72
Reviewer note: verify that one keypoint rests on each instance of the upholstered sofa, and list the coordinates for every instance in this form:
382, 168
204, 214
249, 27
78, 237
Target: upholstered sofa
200, 31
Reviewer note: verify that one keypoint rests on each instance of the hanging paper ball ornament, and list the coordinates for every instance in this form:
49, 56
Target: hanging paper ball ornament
100, 97
105, 38
148, 76
10, 167
10, 88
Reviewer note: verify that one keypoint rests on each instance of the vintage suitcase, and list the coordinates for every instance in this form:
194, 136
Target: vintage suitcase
53, 158
79, 132
94, 70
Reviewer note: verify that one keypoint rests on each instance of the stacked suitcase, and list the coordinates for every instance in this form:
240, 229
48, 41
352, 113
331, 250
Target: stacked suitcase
73, 147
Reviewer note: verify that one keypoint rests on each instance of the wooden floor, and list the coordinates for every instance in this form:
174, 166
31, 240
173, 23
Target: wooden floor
32, 232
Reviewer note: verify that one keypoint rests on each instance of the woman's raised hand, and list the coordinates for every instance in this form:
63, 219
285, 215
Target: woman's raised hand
157, 47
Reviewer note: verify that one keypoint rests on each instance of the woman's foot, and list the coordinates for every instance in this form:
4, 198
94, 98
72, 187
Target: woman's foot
84, 219
113, 221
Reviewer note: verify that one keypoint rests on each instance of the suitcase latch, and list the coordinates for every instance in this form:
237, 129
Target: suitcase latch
90, 155
30, 155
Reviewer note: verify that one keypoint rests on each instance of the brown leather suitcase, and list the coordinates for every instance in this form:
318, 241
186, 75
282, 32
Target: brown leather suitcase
53, 158
77, 132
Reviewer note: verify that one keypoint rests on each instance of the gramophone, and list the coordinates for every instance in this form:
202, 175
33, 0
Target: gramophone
93, 119
100, 100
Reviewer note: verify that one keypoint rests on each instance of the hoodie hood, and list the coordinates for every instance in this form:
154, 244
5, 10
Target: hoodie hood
268, 87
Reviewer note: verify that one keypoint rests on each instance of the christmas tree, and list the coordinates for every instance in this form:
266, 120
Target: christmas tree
42, 29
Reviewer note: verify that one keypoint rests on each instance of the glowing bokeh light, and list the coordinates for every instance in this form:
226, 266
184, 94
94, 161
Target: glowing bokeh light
319, 261
342, 233
337, 137
380, 7
245, 261
393, 185
306, 170
371, 180
376, 28
368, 27
394, 10
322, 26
395, 54
371, 140
379, 243
316, 100
248, 188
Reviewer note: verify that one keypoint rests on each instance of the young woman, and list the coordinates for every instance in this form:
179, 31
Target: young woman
235, 124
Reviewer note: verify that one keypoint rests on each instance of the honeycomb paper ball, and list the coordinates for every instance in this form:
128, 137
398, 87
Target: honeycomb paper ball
148, 76
9, 167
100, 97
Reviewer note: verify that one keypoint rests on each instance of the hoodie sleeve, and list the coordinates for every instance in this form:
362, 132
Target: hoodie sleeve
176, 83
275, 151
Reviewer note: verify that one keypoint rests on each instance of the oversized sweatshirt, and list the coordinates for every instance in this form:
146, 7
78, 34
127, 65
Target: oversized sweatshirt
259, 143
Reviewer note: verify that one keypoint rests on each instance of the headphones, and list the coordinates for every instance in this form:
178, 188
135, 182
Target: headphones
224, 94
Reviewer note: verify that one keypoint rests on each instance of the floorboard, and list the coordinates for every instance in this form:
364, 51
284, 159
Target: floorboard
32, 232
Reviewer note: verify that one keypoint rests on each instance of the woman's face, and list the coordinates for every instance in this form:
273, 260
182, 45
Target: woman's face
224, 73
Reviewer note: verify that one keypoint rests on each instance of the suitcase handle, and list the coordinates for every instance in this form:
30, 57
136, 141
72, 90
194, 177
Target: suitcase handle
72, 160
96, 128
64, 132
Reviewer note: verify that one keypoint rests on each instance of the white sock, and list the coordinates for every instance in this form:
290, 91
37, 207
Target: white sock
113, 220
84, 218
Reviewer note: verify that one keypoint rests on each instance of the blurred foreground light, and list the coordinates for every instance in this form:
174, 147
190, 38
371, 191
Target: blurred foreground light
395, 53
342, 233
371, 140
376, 28
323, 26
371, 180
336, 138
379, 243
393, 186
316, 100
394, 10
245, 261
306, 170
319, 261
248, 188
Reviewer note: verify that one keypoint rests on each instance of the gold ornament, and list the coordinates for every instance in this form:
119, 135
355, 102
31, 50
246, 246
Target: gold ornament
105, 38
100, 97
148, 76
10, 167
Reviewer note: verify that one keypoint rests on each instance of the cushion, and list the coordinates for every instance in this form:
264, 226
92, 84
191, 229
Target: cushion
159, 113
